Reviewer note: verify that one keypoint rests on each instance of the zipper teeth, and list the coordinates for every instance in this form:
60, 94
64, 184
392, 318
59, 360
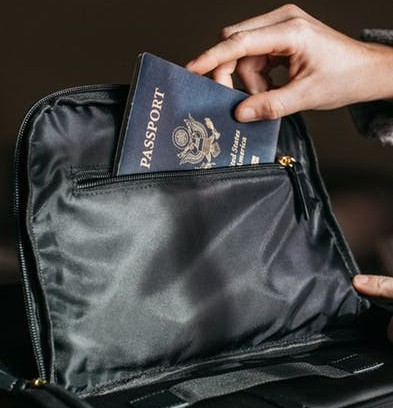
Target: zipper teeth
88, 180
34, 333
28, 299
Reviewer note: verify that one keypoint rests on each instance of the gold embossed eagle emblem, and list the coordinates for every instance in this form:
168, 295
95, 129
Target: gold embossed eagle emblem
197, 142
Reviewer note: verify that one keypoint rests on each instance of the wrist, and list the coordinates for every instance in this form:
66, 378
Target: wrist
378, 72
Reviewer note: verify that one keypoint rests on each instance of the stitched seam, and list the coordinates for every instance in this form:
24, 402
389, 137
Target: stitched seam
160, 369
339, 360
152, 395
359, 367
147, 396
43, 207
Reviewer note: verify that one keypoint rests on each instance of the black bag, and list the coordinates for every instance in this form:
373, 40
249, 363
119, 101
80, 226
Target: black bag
219, 287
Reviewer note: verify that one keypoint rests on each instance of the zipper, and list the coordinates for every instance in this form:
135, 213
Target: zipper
93, 179
89, 179
19, 184
295, 171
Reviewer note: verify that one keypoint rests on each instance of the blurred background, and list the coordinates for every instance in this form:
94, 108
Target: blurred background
46, 46
50, 45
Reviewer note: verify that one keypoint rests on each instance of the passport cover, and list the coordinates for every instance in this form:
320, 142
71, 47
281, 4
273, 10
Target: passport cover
178, 120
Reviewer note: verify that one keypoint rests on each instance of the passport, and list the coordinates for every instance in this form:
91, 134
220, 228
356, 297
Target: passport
178, 120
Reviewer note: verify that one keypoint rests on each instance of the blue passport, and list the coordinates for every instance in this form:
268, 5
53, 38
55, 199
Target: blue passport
178, 120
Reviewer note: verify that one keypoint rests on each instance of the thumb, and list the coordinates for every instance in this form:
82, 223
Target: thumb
274, 103
373, 285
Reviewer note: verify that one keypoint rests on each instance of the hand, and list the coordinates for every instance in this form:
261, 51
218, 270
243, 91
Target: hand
376, 286
326, 69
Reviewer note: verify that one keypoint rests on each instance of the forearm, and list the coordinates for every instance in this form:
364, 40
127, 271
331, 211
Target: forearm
374, 118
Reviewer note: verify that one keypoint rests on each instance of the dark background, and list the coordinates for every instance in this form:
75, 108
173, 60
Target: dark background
50, 45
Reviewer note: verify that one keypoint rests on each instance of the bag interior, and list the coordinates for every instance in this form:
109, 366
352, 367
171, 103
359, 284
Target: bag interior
130, 280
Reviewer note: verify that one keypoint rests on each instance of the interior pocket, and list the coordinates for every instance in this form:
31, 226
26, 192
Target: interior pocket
164, 271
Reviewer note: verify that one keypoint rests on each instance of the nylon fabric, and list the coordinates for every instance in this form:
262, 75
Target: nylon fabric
150, 275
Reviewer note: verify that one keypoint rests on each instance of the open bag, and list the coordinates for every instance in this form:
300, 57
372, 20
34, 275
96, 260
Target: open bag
216, 287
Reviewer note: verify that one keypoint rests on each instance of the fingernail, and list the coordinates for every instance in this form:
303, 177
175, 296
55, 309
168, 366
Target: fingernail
246, 114
361, 279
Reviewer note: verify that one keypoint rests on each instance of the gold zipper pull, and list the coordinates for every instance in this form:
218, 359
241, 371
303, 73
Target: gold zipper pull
286, 161
58, 393
37, 383
295, 171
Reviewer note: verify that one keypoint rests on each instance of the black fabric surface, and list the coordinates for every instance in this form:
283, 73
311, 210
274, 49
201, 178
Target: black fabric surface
130, 279
15, 346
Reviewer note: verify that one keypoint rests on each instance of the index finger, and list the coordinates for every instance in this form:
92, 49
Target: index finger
271, 40
374, 285
279, 15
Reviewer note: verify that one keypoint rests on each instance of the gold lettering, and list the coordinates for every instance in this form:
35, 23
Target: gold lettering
144, 163
149, 144
235, 145
150, 135
155, 115
148, 154
152, 128
243, 145
158, 94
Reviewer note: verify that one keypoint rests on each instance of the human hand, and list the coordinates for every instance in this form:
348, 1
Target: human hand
326, 69
376, 286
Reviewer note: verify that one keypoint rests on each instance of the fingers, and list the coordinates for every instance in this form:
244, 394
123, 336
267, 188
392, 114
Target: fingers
223, 73
275, 103
254, 73
376, 286
279, 15
278, 40
372, 285
286, 36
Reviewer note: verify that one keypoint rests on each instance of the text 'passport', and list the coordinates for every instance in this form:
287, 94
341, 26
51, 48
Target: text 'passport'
177, 120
